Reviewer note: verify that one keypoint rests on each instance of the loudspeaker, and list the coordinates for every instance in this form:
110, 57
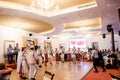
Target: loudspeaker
104, 36
109, 28
30, 34
48, 37
119, 33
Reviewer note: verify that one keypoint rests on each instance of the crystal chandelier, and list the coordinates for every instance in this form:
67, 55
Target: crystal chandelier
44, 6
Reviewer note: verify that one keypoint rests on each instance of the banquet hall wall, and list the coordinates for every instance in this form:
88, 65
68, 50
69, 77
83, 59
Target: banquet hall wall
7, 33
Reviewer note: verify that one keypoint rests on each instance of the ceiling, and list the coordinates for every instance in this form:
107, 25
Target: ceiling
75, 17
25, 23
93, 23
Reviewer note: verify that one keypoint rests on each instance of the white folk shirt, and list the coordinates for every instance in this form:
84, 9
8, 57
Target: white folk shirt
30, 57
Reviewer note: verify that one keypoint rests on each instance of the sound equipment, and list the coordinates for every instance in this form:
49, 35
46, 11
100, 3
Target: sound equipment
109, 28
119, 33
30, 34
48, 37
104, 36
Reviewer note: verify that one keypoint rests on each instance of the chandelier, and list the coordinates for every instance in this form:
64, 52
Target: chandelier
44, 6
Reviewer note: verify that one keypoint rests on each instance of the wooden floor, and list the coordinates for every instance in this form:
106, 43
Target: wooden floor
62, 71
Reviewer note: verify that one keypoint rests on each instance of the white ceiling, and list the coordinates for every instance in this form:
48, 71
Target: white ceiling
106, 9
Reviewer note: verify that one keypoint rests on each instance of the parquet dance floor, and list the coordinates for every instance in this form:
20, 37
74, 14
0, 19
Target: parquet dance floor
62, 71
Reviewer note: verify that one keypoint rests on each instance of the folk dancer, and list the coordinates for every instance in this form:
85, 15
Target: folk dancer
22, 64
74, 55
45, 56
69, 55
39, 53
31, 58
51, 56
78, 54
62, 55
57, 56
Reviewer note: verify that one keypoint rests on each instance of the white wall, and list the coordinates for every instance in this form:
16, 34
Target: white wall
102, 43
13, 34
7, 33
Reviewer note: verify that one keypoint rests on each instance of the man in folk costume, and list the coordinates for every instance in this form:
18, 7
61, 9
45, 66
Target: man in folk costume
57, 56
22, 64
69, 55
39, 53
74, 55
78, 54
62, 55
51, 55
45, 56
33, 68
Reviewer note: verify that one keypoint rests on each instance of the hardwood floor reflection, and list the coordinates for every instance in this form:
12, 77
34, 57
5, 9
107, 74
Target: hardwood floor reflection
62, 71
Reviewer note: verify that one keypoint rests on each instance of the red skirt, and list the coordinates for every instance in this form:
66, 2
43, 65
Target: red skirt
57, 57
46, 57
69, 57
78, 57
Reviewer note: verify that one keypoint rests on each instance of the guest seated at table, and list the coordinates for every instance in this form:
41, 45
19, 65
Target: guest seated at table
4, 72
105, 53
118, 59
112, 59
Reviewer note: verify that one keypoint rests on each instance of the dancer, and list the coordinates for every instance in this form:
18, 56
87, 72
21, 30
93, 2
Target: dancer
62, 55
69, 55
74, 55
45, 56
57, 56
22, 64
51, 56
96, 60
31, 58
78, 54
39, 52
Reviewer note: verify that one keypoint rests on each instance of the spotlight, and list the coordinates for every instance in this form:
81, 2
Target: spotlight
104, 36
109, 28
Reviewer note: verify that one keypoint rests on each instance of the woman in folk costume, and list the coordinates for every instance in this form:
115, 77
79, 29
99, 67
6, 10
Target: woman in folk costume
45, 56
69, 55
62, 55
39, 53
78, 54
22, 64
57, 56
51, 55
74, 55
